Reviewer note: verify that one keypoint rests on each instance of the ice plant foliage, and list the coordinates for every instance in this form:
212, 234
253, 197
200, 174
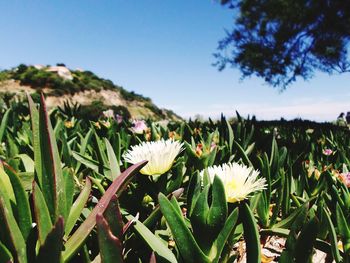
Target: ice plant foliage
240, 181
55, 202
159, 154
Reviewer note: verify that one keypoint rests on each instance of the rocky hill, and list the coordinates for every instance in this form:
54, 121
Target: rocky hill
61, 85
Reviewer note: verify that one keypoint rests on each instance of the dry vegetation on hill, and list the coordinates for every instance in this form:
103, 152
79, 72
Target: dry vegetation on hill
95, 94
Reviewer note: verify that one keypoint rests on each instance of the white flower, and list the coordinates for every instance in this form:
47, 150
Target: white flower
267, 131
239, 180
159, 154
309, 131
108, 113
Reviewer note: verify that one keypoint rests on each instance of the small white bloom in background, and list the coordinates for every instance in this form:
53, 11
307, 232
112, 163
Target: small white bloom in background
309, 131
267, 131
108, 113
240, 181
159, 154
275, 131
139, 126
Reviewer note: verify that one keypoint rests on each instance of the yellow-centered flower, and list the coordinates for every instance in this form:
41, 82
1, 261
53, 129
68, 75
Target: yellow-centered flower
240, 181
159, 154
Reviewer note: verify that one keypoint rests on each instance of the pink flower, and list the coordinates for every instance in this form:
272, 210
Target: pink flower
199, 149
327, 152
345, 178
119, 118
212, 146
139, 126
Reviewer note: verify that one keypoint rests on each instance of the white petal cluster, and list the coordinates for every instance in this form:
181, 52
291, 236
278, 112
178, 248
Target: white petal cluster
159, 154
240, 181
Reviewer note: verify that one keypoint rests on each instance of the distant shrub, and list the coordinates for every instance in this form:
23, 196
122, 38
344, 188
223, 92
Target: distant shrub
21, 69
35, 78
69, 87
130, 96
154, 109
4, 75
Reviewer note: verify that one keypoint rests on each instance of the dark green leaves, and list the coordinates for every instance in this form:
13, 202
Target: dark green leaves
79, 236
52, 247
188, 246
251, 234
110, 245
11, 234
156, 244
22, 208
47, 161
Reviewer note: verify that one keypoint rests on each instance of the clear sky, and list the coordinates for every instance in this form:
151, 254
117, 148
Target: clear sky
161, 49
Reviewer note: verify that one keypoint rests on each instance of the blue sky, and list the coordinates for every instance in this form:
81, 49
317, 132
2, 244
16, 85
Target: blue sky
161, 49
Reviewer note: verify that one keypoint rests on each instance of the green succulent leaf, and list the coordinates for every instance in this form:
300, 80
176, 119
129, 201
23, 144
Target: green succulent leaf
22, 208
114, 218
306, 240
156, 244
344, 230
332, 237
92, 164
199, 222
6, 186
83, 147
77, 239
110, 246
251, 234
193, 192
288, 221
5, 254
11, 234
230, 135
52, 247
113, 161
217, 213
47, 161
3, 124
151, 220
41, 213
242, 154
68, 177
221, 240
188, 247
78, 207
28, 162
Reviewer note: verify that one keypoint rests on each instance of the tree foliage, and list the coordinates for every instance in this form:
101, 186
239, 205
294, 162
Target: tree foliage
281, 40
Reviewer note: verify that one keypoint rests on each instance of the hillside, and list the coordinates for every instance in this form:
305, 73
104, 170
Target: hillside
94, 94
